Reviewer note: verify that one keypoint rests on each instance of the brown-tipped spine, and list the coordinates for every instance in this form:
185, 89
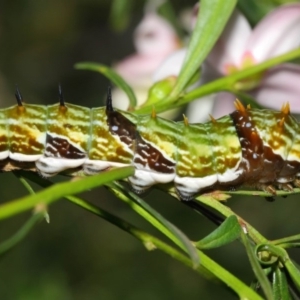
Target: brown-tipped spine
240, 107
281, 123
185, 120
212, 119
286, 108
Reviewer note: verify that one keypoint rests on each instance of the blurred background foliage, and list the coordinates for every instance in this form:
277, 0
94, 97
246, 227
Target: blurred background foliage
78, 255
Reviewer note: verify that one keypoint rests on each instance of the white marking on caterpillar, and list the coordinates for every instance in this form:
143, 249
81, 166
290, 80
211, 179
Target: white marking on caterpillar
144, 179
49, 166
24, 157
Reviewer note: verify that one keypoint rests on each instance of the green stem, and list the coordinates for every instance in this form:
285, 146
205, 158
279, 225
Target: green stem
208, 267
38, 207
139, 210
288, 239
262, 193
25, 183
59, 190
289, 245
156, 220
144, 237
227, 83
223, 84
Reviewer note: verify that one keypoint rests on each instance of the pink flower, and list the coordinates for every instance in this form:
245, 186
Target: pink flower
154, 39
240, 47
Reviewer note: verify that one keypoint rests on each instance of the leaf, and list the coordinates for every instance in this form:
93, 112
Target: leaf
257, 269
177, 236
208, 268
21, 233
210, 24
112, 76
294, 272
227, 232
280, 285
63, 189
148, 243
152, 242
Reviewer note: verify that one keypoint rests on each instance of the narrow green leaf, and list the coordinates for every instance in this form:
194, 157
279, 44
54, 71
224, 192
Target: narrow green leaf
177, 236
170, 227
226, 212
227, 232
208, 268
210, 23
24, 182
288, 239
258, 271
242, 290
42, 208
145, 238
34, 177
21, 233
290, 245
294, 272
280, 285
112, 76
59, 190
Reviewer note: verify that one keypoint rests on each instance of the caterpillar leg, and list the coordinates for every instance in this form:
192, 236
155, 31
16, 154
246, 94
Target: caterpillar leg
296, 182
286, 187
269, 188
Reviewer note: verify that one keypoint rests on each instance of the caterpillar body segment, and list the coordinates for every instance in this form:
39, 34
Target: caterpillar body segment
248, 147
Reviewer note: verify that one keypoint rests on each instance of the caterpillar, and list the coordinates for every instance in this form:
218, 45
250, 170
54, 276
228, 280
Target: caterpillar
253, 147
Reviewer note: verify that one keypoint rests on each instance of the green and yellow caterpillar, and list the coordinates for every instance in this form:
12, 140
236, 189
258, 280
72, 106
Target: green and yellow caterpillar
248, 147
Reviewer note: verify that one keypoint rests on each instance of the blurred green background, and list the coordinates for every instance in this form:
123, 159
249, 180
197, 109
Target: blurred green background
78, 255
